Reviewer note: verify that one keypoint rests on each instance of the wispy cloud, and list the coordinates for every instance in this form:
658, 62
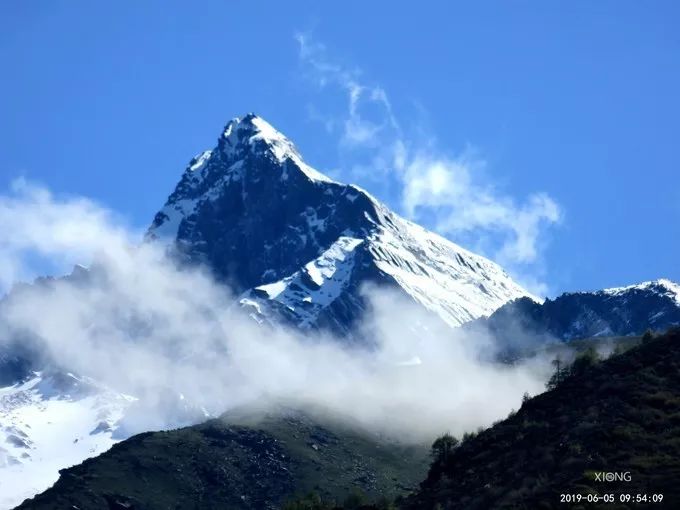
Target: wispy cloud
463, 204
41, 231
448, 192
357, 127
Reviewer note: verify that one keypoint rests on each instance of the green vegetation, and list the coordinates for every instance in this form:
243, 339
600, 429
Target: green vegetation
583, 361
443, 447
648, 336
355, 501
618, 415
245, 461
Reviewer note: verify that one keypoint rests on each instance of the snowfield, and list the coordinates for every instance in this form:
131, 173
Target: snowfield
48, 423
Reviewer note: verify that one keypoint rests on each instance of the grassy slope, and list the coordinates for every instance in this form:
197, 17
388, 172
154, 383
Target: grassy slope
251, 464
623, 414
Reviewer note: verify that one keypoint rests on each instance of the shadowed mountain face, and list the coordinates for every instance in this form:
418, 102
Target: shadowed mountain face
622, 311
299, 246
238, 462
620, 415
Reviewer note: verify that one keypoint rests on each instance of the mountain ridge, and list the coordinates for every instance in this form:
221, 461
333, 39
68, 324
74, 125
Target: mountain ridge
617, 311
242, 460
254, 194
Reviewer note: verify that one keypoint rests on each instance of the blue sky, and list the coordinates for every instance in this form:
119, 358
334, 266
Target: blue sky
544, 134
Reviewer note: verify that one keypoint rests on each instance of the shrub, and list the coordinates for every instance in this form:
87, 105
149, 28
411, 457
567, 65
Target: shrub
443, 446
354, 501
310, 502
583, 361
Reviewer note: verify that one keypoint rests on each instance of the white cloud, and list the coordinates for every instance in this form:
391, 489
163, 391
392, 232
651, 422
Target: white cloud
445, 192
148, 328
357, 130
463, 204
53, 231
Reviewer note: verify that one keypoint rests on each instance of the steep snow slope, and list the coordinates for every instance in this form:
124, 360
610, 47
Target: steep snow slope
51, 422
300, 246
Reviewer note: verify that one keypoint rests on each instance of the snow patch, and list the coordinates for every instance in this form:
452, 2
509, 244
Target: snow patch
661, 286
320, 282
59, 423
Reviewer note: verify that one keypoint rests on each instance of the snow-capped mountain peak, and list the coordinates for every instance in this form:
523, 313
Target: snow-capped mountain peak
662, 287
265, 221
253, 133
250, 153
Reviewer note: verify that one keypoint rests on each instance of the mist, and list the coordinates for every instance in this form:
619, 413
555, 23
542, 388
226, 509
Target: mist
177, 340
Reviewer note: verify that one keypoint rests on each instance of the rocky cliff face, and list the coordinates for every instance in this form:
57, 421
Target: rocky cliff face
299, 246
